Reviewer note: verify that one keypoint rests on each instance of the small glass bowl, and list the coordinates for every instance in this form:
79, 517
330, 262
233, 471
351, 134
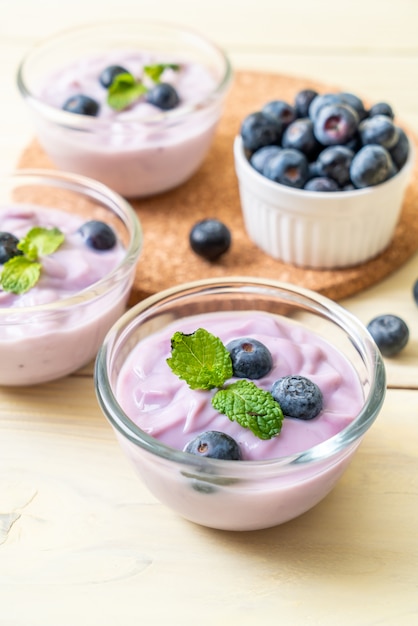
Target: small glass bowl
42, 342
240, 495
319, 230
135, 157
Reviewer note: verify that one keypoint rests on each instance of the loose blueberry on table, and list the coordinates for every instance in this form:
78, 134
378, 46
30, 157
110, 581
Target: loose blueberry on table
390, 333
210, 238
334, 137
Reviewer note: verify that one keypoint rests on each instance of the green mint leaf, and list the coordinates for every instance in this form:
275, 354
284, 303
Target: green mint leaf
124, 90
200, 359
155, 71
251, 407
19, 274
40, 241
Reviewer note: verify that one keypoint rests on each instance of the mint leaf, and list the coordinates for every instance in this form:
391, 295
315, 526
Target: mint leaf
155, 71
124, 90
251, 407
40, 241
200, 359
19, 274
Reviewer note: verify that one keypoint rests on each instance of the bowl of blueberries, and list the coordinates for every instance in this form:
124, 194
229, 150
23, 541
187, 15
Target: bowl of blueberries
322, 179
133, 104
240, 402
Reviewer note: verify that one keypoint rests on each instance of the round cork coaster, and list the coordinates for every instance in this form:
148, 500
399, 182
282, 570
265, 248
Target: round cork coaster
166, 219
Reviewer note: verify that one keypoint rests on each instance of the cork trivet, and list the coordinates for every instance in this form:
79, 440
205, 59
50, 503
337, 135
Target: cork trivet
166, 219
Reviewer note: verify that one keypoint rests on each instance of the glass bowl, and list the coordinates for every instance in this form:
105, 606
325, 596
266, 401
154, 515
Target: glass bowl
139, 151
319, 230
49, 332
240, 495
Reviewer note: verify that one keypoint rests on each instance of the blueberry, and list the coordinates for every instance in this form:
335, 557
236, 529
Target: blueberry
258, 130
289, 167
370, 166
381, 108
400, 150
334, 162
390, 333
298, 397
215, 445
97, 235
82, 105
210, 238
355, 102
320, 101
250, 358
163, 96
321, 183
303, 100
281, 111
300, 136
379, 129
415, 292
8, 247
109, 74
335, 124
260, 157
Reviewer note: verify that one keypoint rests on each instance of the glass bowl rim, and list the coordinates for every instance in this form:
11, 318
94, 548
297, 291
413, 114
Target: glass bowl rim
89, 123
87, 187
320, 452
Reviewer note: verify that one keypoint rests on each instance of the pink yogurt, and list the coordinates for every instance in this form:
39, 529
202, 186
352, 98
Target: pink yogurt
38, 345
167, 409
138, 151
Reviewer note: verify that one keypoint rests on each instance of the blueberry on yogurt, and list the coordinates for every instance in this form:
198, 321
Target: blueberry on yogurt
97, 235
82, 105
109, 74
8, 247
390, 333
216, 445
298, 397
250, 358
163, 96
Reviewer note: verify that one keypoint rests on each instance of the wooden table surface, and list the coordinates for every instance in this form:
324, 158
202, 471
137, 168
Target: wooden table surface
81, 539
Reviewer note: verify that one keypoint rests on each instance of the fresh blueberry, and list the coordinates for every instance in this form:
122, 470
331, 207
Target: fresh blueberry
97, 235
381, 108
379, 129
313, 170
82, 105
354, 102
8, 247
334, 162
210, 238
335, 124
400, 150
371, 165
415, 292
260, 157
300, 136
390, 333
289, 167
303, 100
163, 96
320, 101
109, 74
215, 445
258, 130
298, 397
321, 183
250, 358
280, 110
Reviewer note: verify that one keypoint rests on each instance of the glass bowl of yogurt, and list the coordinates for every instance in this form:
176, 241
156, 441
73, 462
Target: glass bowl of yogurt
69, 248
286, 465
133, 104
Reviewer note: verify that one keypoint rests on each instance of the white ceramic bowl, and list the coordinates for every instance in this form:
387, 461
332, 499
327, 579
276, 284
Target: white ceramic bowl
46, 337
319, 230
134, 156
